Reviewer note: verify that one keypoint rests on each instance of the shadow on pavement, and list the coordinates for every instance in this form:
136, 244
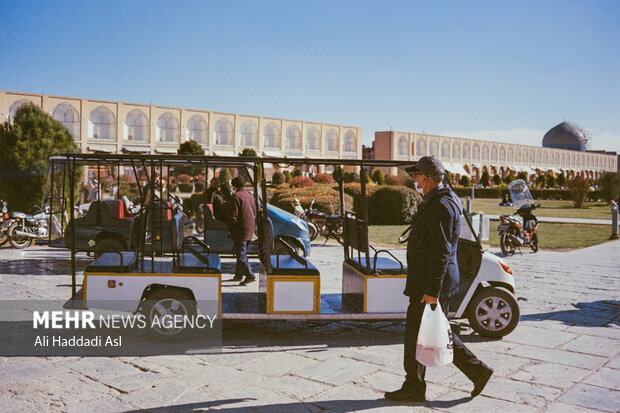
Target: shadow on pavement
601, 313
43, 266
328, 405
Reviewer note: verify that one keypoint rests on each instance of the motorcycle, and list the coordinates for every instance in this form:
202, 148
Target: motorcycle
5, 223
514, 232
319, 223
28, 227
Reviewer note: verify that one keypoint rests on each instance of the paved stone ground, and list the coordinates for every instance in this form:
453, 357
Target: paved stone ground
563, 356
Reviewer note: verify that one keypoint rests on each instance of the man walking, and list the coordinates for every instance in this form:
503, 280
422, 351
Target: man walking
433, 276
242, 215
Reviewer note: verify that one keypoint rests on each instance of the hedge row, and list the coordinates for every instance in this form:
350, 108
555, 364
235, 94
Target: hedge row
387, 205
498, 192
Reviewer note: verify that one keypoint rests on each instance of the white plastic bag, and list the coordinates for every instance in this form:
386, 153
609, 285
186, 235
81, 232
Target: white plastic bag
434, 346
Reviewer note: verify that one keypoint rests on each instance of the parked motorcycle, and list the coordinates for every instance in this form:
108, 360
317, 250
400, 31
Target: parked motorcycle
319, 223
5, 223
28, 227
514, 232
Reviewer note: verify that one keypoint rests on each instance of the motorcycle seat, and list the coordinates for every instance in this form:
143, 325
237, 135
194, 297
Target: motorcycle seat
22, 215
333, 218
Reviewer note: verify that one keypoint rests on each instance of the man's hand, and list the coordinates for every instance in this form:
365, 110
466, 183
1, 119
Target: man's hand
427, 299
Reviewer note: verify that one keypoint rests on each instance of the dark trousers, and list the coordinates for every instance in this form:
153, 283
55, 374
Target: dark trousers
464, 359
240, 249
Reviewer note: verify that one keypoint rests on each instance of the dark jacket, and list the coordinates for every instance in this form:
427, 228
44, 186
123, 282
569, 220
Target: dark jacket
242, 216
432, 268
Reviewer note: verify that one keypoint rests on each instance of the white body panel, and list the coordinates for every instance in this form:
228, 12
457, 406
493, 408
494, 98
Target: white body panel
385, 295
293, 296
129, 288
490, 270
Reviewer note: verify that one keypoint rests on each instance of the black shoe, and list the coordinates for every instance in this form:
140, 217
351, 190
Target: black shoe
247, 281
402, 395
237, 278
481, 382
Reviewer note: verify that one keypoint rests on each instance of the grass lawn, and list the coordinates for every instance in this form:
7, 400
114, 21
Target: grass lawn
550, 235
561, 209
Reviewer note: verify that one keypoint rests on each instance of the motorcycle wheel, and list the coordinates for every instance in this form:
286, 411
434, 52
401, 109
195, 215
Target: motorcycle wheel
506, 244
493, 312
4, 236
313, 230
534, 242
17, 241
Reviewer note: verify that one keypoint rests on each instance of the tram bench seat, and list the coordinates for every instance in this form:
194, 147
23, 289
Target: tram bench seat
382, 266
122, 261
197, 262
357, 240
292, 265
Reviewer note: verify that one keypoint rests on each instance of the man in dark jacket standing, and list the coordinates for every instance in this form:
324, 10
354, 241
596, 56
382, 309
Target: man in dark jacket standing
433, 276
241, 226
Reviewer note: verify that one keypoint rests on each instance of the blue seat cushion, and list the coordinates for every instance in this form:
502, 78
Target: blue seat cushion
111, 262
288, 265
189, 263
385, 266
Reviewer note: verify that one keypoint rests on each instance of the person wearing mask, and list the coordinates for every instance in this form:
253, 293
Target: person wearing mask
241, 219
433, 277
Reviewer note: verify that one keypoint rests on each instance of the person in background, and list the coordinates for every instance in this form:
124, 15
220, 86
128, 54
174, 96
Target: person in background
241, 219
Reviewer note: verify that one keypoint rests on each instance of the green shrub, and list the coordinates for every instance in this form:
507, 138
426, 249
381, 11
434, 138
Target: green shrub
355, 191
277, 178
485, 179
578, 188
338, 172
390, 205
349, 177
225, 176
508, 179
191, 205
496, 180
609, 183
561, 180
465, 181
378, 177
393, 180
287, 176
522, 175
541, 181
297, 172
199, 187
551, 181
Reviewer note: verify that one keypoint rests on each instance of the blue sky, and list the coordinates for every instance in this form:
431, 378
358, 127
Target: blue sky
499, 70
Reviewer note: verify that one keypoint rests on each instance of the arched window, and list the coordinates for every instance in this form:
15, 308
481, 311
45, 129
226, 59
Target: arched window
101, 124
466, 154
494, 153
563, 160
485, 153
557, 159
538, 157
502, 154
13, 108
69, 117
532, 156
293, 137
518, 155
271, 135
349, 142
545, 157
196, 129
433, 148
476, 152
445, 150
456, 151
136, 126
402, 146
313, 139
168, 128
224, 132
249, 133
510, 155
420, 147
331, 139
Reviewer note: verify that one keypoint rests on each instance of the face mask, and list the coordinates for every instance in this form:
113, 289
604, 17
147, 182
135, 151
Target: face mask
420, 190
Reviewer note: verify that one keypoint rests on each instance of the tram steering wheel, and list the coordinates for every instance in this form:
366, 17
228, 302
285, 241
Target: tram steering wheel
404, 237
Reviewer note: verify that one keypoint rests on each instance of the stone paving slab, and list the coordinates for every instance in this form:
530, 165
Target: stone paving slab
563, 356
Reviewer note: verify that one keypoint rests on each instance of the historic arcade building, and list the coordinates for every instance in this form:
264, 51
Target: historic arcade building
472, 157
117, 127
